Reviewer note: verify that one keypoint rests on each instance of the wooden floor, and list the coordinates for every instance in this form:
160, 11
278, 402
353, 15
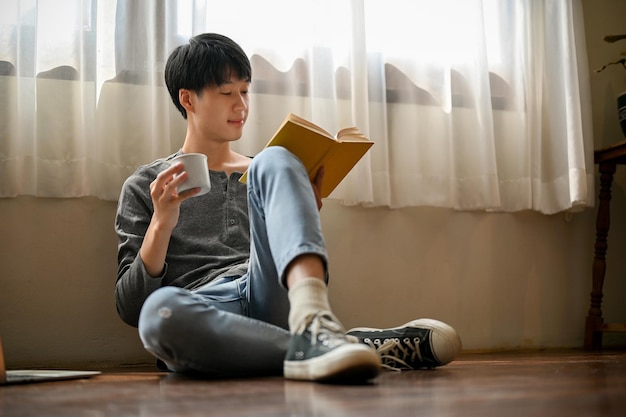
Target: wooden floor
548, 383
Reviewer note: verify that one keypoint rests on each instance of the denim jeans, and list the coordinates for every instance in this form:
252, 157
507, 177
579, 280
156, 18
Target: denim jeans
237, 325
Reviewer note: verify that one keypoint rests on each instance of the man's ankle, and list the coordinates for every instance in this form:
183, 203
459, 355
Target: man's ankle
308, 296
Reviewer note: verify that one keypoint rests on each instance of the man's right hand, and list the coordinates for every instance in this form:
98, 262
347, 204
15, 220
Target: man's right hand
165, 198
166, 202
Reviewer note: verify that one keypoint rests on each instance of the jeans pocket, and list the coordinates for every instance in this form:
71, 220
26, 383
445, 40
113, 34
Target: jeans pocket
226, 293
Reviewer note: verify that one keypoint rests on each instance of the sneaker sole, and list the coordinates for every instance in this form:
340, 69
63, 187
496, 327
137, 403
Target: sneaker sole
350, 362
445, 343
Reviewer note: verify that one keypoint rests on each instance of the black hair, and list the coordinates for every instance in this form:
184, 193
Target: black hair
207, 60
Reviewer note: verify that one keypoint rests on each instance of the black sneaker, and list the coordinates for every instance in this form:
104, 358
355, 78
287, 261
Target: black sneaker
423, 343
320, 351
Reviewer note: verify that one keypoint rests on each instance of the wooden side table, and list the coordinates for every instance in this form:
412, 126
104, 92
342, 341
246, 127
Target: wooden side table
607, 159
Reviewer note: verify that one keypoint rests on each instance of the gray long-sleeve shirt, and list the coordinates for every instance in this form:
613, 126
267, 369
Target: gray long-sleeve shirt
211, 239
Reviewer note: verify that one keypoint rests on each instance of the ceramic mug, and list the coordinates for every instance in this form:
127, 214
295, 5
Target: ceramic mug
197, 169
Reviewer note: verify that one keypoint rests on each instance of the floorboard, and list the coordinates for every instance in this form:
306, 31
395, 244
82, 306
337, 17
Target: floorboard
549, 383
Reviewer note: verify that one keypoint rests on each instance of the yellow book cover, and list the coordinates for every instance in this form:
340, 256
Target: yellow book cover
316, 148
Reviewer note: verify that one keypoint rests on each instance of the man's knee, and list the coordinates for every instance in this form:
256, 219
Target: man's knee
159, 309
275, 158
171, 313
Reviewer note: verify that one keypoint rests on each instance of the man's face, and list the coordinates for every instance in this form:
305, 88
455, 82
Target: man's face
220, 112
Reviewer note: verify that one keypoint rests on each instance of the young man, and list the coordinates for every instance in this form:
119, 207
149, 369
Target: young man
214, 281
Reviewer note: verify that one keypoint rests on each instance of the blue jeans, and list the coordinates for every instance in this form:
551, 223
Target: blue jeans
237, 325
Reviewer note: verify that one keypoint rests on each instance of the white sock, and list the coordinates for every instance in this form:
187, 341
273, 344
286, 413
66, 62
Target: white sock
307, 296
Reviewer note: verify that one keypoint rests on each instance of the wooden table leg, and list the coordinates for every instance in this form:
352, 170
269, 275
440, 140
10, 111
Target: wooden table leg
593, 333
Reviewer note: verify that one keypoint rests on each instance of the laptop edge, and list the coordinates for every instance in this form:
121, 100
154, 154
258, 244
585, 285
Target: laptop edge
37, 375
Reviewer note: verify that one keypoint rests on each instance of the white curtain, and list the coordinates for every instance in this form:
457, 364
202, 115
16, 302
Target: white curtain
472, 104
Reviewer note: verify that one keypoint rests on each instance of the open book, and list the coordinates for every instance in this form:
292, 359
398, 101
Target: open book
316, 148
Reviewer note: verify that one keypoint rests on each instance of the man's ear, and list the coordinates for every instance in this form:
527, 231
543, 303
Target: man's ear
184, 97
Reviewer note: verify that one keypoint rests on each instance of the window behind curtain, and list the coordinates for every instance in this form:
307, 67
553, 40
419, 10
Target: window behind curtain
472, 104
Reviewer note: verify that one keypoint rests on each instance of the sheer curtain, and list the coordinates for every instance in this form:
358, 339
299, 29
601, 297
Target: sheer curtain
472, 104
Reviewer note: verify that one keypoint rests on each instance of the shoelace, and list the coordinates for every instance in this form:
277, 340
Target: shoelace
396, 354
324, 328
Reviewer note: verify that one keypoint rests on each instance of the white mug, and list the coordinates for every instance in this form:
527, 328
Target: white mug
197, 169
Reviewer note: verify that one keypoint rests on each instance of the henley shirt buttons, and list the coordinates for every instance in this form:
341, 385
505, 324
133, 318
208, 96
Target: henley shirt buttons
232, 221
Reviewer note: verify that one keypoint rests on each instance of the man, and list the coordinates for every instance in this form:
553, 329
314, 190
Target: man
214, 281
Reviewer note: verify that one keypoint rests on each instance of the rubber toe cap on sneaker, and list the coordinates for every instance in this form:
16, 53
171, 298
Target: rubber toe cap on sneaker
445, 342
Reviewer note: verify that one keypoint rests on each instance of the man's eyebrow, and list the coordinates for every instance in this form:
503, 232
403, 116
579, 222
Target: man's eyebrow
230, 82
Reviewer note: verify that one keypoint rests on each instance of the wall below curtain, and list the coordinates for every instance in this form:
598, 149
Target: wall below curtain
505, 281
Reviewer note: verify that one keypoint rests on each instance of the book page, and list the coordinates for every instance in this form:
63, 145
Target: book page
303, 122
351, 134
